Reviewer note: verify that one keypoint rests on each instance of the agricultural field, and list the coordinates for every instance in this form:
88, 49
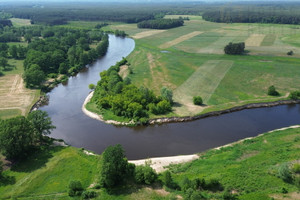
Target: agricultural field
15, 99
190, 60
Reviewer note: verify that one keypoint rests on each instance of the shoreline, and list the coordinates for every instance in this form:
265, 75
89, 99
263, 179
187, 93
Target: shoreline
159, 164
187, 118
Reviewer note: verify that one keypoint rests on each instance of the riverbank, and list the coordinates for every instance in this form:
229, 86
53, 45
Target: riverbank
187, 118
159, 164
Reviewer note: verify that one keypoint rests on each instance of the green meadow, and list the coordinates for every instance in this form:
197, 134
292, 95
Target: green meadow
190, 60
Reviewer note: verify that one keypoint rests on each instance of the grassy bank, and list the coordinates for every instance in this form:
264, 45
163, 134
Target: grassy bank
250, 169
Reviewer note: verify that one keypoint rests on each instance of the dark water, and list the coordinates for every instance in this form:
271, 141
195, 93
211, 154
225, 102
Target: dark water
160, 140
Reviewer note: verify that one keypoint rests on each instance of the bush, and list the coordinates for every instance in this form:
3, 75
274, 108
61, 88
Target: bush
89, 194
296, 168
168, 180
290, 53
272, 91
284, 173
91, 86
294, 95
75, 188
197, 100
145, 174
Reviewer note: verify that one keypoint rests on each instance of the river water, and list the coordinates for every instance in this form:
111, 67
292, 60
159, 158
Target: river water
78, 130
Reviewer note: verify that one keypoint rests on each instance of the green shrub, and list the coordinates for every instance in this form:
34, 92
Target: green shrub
52, 75
89, 194
294, 95
186, 184
145, 174
284, 190
197, 100
290, 53
91, 86
168, 180
284, 172
75, 188
272, 91
296, 168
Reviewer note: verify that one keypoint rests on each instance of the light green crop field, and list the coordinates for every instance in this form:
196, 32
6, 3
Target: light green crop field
17, 22
15, 99
184, 59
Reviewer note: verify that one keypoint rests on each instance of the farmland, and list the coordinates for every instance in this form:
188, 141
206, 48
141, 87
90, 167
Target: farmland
190, 60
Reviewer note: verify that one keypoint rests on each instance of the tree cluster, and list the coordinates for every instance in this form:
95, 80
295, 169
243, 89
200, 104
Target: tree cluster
295, 95
161, 23
63, 51
5, 22
125, 99
246, 16
235, 48
20, 135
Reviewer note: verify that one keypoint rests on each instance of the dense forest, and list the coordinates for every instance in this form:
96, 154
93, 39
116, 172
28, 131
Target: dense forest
161, 23
126, 100
52, 50
230, 16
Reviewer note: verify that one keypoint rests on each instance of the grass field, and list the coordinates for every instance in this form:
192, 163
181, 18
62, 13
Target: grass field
15, 99
180, 58
249, 168
17, 22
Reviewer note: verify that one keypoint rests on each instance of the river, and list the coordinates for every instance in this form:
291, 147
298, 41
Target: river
78, 130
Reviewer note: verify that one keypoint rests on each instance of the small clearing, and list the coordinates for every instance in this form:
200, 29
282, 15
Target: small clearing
159, 164
203, 82
147, 34
289, 196
20, 22
254, 40
180, 39
124, 71
14, 95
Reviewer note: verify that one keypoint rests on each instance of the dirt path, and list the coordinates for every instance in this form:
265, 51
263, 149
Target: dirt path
180, 39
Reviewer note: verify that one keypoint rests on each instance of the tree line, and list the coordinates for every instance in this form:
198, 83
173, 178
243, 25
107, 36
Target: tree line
244, 16
161, 23
127, 100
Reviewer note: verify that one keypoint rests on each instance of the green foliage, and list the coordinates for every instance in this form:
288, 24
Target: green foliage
1, 168
161, 23
120, 33
166, 94
145, 174
41, 123
168, 180
272, 91
294, 95
114, 166
89, 194
3, 62
19, 135
284, 172
75, 188
34, 76
296, 168
290, 53
235, 48
197, 100
16, 138
92, 86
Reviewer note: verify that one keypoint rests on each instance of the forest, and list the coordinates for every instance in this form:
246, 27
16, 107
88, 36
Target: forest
127, 100
230, 16
161, 23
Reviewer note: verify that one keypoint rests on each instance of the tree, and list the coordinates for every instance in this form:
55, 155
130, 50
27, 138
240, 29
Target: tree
167, 94
114, 166
290, 53
3, 62
91, 86
197, 100
13, 51
16, 138
145, 174
41, 123
34, 76
75, 188
272, 91
1, 168
235, 48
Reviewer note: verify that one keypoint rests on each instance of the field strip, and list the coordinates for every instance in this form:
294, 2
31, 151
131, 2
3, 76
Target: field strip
147, 34
180, 39
203, 82
254, 40
217, 47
